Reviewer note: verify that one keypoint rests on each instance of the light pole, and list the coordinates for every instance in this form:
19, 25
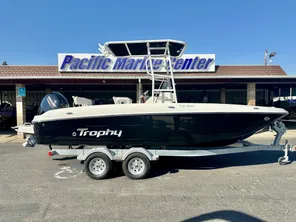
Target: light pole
270, 56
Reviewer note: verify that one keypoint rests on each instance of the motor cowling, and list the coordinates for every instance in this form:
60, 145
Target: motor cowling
51, 101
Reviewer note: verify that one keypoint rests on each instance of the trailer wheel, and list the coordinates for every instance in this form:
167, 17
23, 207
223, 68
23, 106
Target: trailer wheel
282, 161
98, 166
136, 166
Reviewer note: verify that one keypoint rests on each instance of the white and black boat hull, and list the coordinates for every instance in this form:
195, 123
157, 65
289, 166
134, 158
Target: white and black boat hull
204, 129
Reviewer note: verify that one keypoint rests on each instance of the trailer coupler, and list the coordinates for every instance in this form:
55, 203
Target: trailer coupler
30, 141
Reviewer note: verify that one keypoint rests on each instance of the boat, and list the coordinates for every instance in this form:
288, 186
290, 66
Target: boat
8, 114
159, 121
161, 124
288, 103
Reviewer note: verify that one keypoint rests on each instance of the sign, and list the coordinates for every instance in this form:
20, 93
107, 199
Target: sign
21, 91
72, 62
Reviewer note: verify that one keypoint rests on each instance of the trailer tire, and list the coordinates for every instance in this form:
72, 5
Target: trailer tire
136, 166
98, 166
282, 161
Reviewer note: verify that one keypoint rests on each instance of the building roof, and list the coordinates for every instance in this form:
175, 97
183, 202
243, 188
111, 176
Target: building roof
43, 72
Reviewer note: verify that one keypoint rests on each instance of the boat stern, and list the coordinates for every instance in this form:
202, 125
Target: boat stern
28, 130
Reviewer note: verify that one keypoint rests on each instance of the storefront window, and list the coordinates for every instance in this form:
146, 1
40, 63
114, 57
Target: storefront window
236, 96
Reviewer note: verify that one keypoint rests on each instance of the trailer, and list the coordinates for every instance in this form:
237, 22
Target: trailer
98, 160
136, 161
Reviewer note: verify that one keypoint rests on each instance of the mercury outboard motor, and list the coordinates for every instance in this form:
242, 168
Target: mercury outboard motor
53, 100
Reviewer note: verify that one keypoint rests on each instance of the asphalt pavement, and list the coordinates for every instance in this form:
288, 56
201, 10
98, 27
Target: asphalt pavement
236, 187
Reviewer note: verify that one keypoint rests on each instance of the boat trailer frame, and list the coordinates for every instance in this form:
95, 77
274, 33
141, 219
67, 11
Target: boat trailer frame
136, 160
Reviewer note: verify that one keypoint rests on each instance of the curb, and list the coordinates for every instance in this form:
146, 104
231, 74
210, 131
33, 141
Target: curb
13, 141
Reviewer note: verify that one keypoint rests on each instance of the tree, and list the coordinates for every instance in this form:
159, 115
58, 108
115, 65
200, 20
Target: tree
4, 63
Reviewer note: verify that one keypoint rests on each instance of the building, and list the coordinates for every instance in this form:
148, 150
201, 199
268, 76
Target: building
198, 79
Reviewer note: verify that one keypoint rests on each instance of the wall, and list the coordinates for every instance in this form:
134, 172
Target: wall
30, 97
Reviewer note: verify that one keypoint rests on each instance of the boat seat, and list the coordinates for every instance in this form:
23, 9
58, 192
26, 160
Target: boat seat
122, 100
81, 101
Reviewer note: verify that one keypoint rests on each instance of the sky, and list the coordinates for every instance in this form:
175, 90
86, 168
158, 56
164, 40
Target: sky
33, 32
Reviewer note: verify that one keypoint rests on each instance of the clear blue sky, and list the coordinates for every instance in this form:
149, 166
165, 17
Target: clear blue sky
237, 31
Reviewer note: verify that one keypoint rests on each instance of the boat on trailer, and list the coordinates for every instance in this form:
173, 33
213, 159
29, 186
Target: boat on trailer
137, 133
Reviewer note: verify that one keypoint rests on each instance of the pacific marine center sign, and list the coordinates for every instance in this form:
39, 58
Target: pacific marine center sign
72, 62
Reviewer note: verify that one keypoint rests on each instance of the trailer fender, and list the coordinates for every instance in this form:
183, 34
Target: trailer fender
149, 155
104, 150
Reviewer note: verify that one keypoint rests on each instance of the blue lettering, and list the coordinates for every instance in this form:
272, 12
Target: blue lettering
138, 61
95, 62
130, 64
172, 63
90, 62
143, 65
187, 63
157, 63
100, 62
201, 63
75, 63
173, 60
148, 63
120, 63
208, 62
178, 63
194, 62
81, 65
104, 65
67, 60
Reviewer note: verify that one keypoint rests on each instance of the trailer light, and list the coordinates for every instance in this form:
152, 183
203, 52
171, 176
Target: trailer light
49, 153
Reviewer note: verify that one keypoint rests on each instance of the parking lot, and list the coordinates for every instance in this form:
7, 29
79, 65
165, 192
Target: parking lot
237, 187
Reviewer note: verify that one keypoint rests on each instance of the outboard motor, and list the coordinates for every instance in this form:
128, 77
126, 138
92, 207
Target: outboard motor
53, 100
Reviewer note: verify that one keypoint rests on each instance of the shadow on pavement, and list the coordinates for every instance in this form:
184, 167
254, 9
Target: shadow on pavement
174, 164
227, 215
9, 132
